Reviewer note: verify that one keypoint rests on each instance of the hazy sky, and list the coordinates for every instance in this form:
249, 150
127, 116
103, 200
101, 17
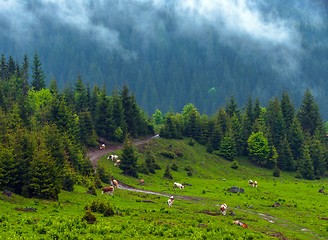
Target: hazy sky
248, 21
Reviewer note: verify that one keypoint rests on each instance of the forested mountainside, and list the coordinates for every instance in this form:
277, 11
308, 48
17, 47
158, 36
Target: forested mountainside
170, 53
44, 132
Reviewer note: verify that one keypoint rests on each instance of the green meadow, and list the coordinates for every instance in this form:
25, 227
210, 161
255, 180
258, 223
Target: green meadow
279, 208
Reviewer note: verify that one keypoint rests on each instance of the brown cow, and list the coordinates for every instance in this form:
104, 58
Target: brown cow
108, 190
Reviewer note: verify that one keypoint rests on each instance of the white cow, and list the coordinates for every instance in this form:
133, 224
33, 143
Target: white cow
117, 162
178, 185
115, 183
170, 201
102, 146
252, 183
223, 208
113, 157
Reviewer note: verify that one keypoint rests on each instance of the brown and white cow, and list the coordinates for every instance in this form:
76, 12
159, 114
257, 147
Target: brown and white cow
115, 183
108, 190
223, 208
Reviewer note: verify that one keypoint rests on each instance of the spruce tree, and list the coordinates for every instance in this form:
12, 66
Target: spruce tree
309, 115
38, 77
129, 159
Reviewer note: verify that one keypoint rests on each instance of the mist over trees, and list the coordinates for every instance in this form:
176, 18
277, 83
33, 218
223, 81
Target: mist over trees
170, 53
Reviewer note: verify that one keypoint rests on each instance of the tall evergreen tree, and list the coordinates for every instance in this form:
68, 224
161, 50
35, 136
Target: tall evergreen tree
306, 167
309, 115
287, 109
38, 77
129, 159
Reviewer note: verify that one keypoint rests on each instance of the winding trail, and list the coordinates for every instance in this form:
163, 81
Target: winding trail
95, 154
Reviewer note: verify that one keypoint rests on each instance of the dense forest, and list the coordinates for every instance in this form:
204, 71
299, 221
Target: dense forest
170, 53
44, 132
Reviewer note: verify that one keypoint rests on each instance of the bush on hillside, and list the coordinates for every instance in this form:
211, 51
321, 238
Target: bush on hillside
167, 173
234, 164
167, 154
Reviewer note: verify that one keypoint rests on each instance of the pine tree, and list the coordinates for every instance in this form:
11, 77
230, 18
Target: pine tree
296, 140
38, 78
129, 159
287, 110
306, 167
228, 148
309, 115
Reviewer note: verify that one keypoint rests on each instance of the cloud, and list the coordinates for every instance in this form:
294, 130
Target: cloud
243, 24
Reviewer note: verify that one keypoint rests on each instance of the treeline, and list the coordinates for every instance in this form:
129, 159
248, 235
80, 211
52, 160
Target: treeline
277, 136
44, 132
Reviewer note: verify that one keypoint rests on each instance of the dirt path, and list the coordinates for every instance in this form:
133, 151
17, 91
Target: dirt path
95, 154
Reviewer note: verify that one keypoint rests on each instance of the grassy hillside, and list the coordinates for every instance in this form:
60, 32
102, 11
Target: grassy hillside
301, 214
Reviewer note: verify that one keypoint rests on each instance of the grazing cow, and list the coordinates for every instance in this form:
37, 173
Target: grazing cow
113, 157
223, 208
251, 183
255, 184
108, 190
178, 185
170, 201
102, 146
239, 223
115, 183
117, 163
141, 181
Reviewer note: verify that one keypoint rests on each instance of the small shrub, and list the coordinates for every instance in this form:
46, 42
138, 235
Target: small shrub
178, 152
167, 173
191, 142
68, 183
89, 217
234, 164
189, 170
276, 172
92, 190
168, 154
175, 167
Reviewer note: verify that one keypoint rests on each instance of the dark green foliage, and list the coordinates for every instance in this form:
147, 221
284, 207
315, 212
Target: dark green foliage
175, 167
189, 170
38, 77
191, 142
103, 174
168, 154
167, 173
129, 159
306, 165
234, 164
228, 148
276, 172
92, 190
150, 162
89, 217
68, 183
309, 115
101, 207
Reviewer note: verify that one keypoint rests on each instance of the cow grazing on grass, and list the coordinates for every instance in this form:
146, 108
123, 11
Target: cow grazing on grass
170, 201
102, 146
142, 181
114, 158
108, 190
178, 185
223, 209
252, 183
115, 183
117, 162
